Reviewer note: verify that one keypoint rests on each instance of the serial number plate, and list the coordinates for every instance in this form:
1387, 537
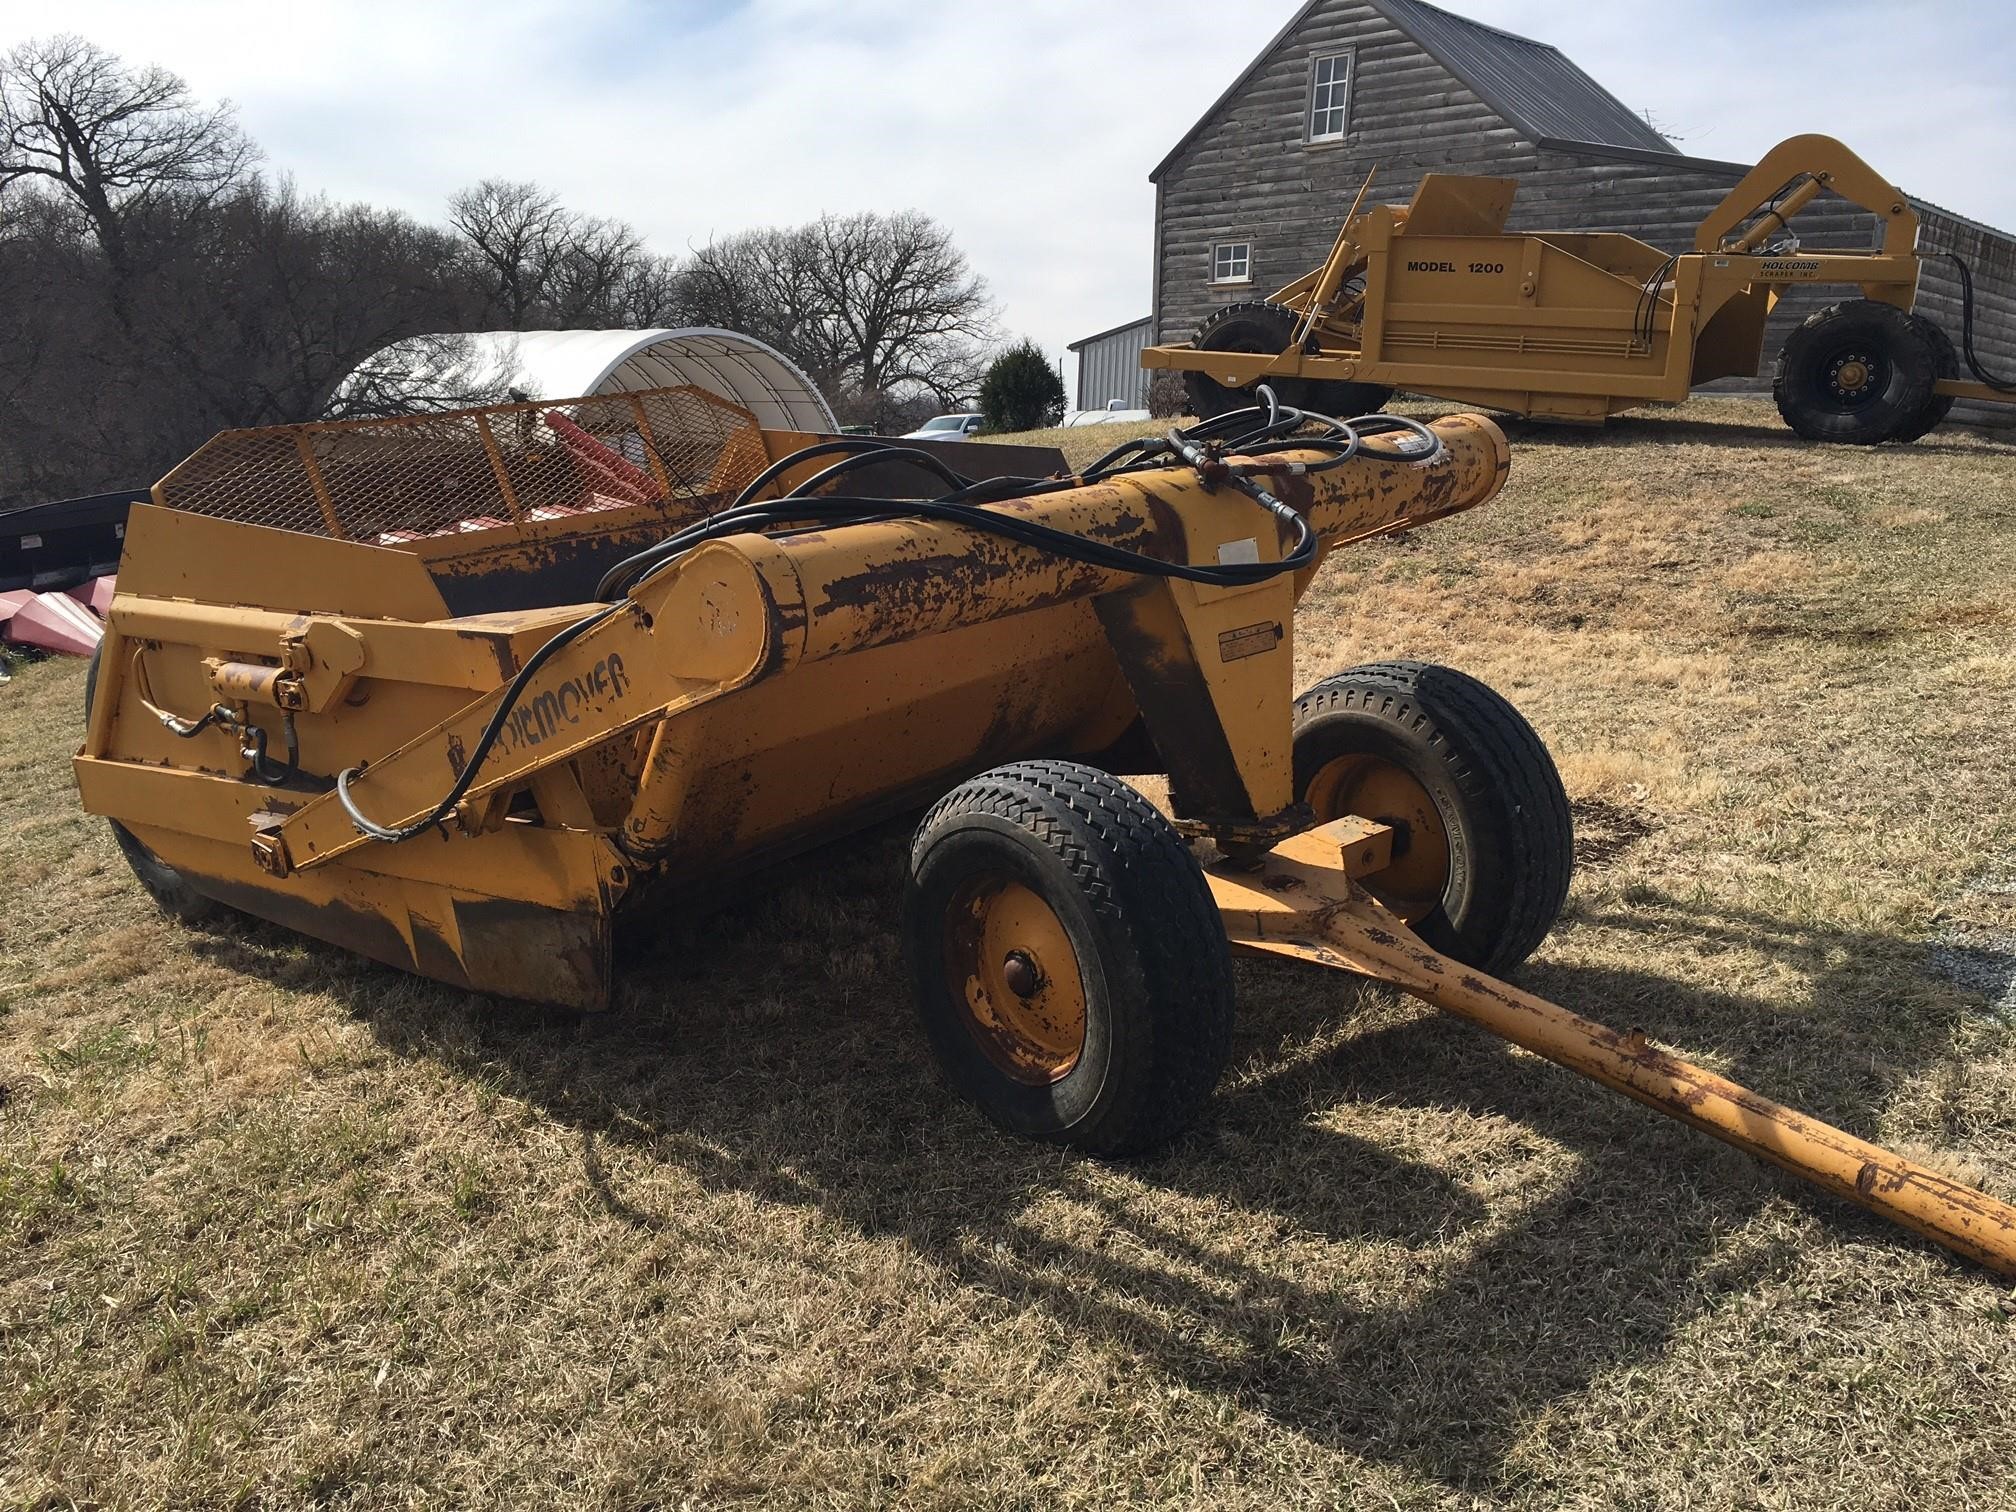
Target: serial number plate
1248, 640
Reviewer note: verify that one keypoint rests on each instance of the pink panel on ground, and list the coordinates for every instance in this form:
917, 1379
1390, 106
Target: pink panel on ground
12, 600
96, 595
56, 622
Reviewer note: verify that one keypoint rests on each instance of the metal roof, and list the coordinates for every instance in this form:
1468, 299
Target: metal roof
1085, 341
1532, 85
578, 364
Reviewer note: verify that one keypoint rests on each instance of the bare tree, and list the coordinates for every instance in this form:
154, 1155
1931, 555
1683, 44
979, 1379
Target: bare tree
867, 304
421, 373
308, 291
544, 265
512, 229
759, 283
115, 140
154, 288
647, 294
899, 304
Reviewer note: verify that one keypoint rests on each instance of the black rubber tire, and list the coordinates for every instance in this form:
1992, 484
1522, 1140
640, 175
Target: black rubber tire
1258, 325
171, 893
1904, 363
1495, 789
1255, 325
1945, 364
1152, 954
1342, 400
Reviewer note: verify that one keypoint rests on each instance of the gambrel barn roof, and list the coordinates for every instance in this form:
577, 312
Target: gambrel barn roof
1536, 88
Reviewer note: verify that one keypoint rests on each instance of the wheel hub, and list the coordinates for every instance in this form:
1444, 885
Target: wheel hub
1855, 377
1020, 971
1372, 788
1010, 962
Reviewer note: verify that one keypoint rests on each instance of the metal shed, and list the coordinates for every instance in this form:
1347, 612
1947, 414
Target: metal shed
572, 364
1109, 366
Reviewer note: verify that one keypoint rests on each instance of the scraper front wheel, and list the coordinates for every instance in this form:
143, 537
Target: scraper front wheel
1261, 326
1483, 841
1069, 965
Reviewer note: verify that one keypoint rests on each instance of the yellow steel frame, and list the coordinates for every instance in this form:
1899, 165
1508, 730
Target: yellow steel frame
1303, 902
676, 736
764, 692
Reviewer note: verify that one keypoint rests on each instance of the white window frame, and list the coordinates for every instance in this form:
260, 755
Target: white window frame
1338, 102
1243, 262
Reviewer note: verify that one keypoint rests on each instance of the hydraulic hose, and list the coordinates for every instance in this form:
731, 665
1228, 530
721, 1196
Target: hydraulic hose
1981, 374
1271, 428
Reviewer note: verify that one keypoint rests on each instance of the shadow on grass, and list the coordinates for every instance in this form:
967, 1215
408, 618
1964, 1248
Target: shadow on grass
770, 1052
1640, 428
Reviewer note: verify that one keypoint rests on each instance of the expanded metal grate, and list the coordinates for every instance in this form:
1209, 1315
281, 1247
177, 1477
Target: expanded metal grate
400, 479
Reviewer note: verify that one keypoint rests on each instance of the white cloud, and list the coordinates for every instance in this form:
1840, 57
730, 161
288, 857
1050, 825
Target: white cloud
1029, 129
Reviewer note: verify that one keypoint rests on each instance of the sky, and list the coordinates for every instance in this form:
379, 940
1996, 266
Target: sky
1027, 128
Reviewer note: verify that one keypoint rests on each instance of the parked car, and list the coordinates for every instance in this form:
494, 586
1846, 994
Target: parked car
1113, 414
946, 428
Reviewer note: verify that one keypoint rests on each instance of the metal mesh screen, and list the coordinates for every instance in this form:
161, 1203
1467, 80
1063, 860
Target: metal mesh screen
400, 479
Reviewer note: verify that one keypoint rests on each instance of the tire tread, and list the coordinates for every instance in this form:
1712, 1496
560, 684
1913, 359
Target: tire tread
1489, 749
1914, 354
1140, 881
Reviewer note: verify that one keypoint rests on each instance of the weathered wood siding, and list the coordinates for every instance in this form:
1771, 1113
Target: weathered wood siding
1992, 256
1250, 176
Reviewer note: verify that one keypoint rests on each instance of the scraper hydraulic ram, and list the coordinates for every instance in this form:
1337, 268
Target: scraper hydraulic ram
499, 667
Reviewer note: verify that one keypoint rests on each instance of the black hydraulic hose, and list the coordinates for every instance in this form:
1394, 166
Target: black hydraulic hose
909, 454
1645, 317
1342, 442
1273, 435
621, 577
2000, 385
1272, 429
187, 728
254, 751
396, 833
837, 445
1147, 445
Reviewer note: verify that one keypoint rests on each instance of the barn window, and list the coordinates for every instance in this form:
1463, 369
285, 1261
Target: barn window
1232, 262
1330, 95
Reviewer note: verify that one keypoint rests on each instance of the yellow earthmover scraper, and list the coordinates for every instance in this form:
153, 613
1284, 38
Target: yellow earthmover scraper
444, 690
1437, 297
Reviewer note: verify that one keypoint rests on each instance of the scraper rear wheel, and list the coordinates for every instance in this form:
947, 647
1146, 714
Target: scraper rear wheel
165, 885
1861, 373
1069, 964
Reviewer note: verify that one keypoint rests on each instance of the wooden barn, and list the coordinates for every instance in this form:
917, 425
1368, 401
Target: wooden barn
1252, 195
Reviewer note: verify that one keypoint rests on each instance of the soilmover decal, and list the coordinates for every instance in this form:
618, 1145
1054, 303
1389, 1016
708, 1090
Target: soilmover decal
540, 716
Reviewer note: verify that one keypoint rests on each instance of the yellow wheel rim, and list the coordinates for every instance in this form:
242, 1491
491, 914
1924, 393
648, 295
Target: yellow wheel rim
1011, 965
1375, 789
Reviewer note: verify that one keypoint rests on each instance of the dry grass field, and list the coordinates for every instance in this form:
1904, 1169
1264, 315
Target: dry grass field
279, 1228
